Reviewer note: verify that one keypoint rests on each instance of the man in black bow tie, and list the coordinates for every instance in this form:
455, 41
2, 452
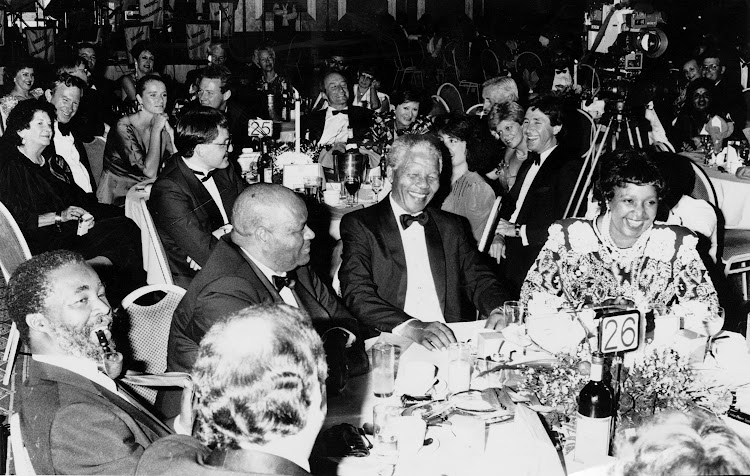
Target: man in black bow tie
263, 260
67, 155
540, 194
408, 270
329, 126
191, 200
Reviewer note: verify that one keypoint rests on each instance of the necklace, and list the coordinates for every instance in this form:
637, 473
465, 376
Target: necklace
624, 258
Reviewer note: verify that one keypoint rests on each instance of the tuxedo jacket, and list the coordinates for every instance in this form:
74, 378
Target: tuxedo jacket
544, 204
51, 151
185, 214
727, 98
373, 272
180, 455
360, 120
71, 425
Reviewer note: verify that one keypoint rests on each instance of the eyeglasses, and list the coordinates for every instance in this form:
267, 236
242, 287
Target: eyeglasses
710, 67
225, 144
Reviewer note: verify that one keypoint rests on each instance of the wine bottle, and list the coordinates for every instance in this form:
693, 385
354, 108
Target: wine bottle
265, 164
383, 166
594, 419
351, 144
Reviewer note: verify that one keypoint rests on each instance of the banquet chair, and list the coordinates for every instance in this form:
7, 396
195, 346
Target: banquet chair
95, 153
703, 188
439, 103
490, 64
452, 97
21, 460
588, 132
15, 250
475, 110
462, 83
403, 71
148, 330
489, 227
165, 275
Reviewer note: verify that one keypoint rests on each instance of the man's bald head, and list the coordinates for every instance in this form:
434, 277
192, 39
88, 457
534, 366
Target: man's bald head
259, 205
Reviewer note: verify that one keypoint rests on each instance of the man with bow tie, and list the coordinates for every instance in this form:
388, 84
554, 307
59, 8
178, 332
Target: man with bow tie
67, 155
330, 126
407, 269
263, 260
191, 200
540, 194
75, 419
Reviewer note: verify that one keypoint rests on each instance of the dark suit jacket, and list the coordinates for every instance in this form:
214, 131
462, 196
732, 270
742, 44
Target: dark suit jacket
727, 98
373, 271
180, 455
544, 204
71, 425
185, 214
51, 151
360, 119
237, 116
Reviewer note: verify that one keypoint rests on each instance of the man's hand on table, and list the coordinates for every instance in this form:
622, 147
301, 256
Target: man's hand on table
431, 335
496, 320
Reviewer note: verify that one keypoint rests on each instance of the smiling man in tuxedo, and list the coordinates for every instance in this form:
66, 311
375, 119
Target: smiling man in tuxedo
407, 269
191, 200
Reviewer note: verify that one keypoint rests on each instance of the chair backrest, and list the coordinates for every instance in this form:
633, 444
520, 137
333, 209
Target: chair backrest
148, 330
475, 110
490, 64
452, 97
157, 249
703, 188
95, 153
21, 460
588, 132
438, 106
490, 225
14, 249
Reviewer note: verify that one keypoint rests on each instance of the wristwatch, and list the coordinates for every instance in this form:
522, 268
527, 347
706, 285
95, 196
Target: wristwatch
58, 220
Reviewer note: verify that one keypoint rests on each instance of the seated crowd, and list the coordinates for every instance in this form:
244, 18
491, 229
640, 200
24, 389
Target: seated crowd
265, 338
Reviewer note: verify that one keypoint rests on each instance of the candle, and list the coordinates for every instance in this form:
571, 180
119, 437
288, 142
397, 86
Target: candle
296, 122
575, 72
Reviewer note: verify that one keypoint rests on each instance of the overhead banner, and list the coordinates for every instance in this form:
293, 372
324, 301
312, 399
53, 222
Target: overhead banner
198, 38
41, 43
152, 11
222, 14
134, 34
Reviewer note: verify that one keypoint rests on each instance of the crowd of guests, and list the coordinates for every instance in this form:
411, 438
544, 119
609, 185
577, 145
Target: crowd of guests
263, 335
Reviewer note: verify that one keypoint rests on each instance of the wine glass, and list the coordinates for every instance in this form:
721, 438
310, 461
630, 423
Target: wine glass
714, 323
707, 143
352, 187
515, 314
377, 185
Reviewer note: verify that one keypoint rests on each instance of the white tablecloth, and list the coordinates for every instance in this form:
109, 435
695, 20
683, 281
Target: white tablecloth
733, 195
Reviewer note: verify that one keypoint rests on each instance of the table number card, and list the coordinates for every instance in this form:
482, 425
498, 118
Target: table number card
259, 128
619, 331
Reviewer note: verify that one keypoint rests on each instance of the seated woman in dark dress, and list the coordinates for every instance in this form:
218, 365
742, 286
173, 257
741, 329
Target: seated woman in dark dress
49, 211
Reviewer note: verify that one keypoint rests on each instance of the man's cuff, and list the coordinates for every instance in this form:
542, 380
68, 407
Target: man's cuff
399, 328
178, 428
524, 238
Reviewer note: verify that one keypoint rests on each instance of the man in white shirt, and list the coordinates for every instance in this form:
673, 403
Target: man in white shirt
408, 269
540, 194
74, 418
68, 159
191, 200
255, 365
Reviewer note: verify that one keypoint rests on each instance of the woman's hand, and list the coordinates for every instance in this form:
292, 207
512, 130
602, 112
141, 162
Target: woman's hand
72, 213
159, 122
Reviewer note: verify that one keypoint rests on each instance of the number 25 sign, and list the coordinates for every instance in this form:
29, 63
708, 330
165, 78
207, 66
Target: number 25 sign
619, 331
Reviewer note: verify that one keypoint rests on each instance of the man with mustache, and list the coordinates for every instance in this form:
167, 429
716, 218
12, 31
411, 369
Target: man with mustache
74, 418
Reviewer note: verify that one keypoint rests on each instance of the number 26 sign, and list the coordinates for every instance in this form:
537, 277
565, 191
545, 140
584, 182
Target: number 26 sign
619, 331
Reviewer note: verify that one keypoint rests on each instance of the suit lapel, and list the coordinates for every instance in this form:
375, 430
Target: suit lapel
436, 254
509, 205
258, 278
204, 200
307, 302
389, 237
136, 411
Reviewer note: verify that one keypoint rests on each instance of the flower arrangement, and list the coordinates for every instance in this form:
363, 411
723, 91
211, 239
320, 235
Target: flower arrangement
283, 154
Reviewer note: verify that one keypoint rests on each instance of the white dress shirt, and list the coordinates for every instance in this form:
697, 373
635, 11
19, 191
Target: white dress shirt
422, 301
527, 181
335, 129
65, 148
285, 293
211, 187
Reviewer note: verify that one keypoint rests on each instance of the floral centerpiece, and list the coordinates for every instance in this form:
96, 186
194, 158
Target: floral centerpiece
283, 154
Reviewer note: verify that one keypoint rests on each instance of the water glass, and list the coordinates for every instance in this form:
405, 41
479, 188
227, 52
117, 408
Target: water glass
385, 427
383, 369
459, 367
514, 312
312, 187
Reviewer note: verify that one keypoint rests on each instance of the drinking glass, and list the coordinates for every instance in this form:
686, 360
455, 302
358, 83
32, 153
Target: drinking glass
383, 369
714, 323
384, 421
312, 187
514, 313
459, 368
377, 185
352, 187
707, 145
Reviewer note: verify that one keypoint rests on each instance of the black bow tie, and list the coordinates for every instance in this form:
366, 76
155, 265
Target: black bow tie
407, 220
284, 281
340, 111
204, 176
64, 128
535, 158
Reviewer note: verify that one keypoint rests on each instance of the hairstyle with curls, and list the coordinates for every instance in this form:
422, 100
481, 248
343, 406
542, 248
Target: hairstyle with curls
506, 111
221, 73
505, 84
68, 80
29, 285
674, 444
198, 125
255, 376
403, 96
140, 47
621, 167
482, 150
20, 118
10, 71
269, 50
552, 106
405, 144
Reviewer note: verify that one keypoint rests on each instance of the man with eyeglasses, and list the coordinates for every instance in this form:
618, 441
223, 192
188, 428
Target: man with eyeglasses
191, 200
727, 96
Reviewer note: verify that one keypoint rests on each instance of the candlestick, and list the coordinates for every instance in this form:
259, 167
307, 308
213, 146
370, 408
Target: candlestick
575, 72
297, 138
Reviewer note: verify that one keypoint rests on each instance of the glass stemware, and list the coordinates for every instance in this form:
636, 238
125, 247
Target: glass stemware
707, 144
352, 187
377, 186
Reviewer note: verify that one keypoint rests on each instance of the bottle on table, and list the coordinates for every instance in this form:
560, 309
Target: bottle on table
265, 163
351, 144
595, 412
